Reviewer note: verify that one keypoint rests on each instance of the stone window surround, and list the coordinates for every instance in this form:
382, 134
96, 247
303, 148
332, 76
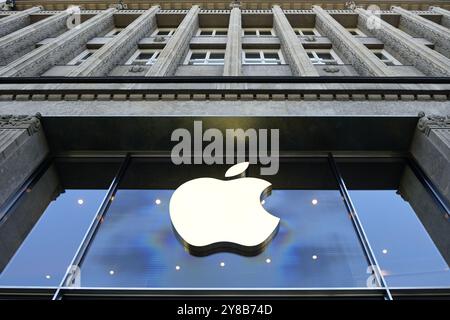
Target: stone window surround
258, 30
389, 57
299, 32
171, 32
319, 61
213, 30
114, 32
358, 32
81, 57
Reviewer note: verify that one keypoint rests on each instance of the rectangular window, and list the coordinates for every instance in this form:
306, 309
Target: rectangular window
163, 32
205, 57
323, 56
212, 32
385, 57
266, 32
81, 57
114, 32
307, 32
356, 32
262, 57
143, 57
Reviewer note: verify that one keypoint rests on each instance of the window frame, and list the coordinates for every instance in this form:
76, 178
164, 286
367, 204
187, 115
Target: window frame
213, 30
151, 61
79, 59
262, 57
157, 30
258, 30
112, 33
207, 60
389, 57
299, 32
320, 60
358, 32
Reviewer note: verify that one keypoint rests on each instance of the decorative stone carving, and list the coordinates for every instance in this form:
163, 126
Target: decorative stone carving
427, 123
349, 48
404, 47
233, 52
310, 38
419, 26
293, 50
116, 50
331, 69
31, 123
16, 21
177, 46
61, 49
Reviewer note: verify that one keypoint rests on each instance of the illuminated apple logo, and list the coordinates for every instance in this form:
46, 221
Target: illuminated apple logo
211, 215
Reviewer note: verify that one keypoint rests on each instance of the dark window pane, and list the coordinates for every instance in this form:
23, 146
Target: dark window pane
163, 33
145, 55
265, 33
221, 32
403, 223
198, 55
325, 55
380, 55
310, 55
271, 55
135, 245
250, 32
206, 33
252, 55
217, 55
308, 32
41, 234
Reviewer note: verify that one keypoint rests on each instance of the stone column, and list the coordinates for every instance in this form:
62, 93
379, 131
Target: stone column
16, 21
433, 32
431, 149
404, 47
22, 149
233, 52
177, 46
354, 52
113, 52
292, 49
62, 49
18, 43
445, 21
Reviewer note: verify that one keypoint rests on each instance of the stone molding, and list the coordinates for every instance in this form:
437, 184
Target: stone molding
445, 21
177, 46
110, 54
31, 123
292, 49
16, 21
362, 59
405, 48
433, 32
430, 122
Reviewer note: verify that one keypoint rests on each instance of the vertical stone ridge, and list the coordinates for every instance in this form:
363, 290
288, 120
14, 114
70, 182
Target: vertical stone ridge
233, 52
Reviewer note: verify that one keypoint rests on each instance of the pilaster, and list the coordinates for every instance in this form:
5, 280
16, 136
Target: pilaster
433, 32
113, 52
293, 50
62, 49
177, 46
233, 52
404, 47
445, 21
16, 21
349, 48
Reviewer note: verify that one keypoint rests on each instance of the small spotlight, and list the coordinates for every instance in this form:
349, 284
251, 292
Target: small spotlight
177, 268
222, 264
80, 201
314, 257
111, 272
268, 260
384, 251
158, 201
47, 276
314, 202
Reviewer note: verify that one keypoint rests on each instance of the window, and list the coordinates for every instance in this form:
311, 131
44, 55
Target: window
385, 57
212, 32
143, 57
356, 32
81, 57
163, 32
210, 57
259, 32
323, 56
262, 57
114, 32
307, 32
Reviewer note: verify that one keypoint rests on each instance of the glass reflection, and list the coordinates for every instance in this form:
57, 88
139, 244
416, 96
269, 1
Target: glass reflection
41, 233
136, 239
401, 221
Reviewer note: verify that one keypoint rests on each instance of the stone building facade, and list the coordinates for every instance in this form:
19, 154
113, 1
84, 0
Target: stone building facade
112, 78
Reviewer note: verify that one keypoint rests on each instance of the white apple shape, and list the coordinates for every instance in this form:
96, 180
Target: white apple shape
211, 215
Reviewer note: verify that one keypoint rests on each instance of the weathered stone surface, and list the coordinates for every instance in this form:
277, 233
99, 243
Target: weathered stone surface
431, 149
60, 50
115, 51
293, 50
233, 51
419, 26
22, 41
404, 47
22, 148
350, 49
445, 21
177, 46
16, 21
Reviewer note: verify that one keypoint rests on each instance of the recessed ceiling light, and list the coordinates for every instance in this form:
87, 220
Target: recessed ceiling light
80, 201
158, 201
111, 272
222, 264
314, 202
314, 257
268, 260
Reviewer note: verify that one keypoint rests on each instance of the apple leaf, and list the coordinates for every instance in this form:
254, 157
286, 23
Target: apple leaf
237, 169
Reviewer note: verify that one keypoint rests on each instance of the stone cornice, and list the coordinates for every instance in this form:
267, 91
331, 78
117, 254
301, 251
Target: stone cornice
427, 123
221, 4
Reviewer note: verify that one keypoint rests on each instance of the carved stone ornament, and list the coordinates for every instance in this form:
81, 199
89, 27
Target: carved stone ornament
331, 69
426, 123
310, 38
31, 123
